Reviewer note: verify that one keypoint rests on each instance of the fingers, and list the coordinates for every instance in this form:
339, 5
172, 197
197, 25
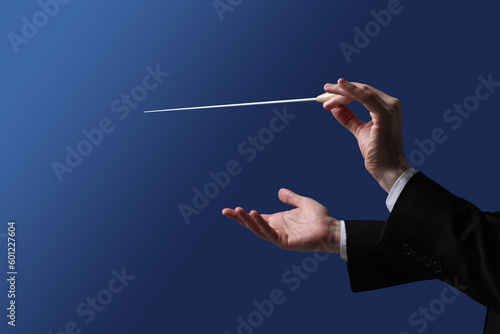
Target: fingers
363, 94
264, 226
347, 118
338, 90
254, 222
373, 99
230, 213
336, 101
289, 197
251, 224
266, 217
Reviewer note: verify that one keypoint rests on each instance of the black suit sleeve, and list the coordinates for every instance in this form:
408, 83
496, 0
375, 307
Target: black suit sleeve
430, 234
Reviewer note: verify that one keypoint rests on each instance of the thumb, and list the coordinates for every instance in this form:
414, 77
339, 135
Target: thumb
347, 118
289, 197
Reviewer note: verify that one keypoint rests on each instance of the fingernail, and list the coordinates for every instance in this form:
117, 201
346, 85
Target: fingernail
341, 80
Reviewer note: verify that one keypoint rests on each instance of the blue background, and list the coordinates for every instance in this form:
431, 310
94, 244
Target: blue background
119, 207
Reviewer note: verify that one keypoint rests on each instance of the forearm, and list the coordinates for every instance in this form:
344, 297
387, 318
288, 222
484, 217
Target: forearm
430, 234
373, 267
457, 243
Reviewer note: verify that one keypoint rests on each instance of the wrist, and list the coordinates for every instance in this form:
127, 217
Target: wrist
333, 241
390, 176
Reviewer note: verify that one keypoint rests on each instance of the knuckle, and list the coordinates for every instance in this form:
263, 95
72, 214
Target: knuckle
396, 104
370, 95
365, 87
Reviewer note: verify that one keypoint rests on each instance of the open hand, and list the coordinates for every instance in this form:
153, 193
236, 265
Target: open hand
308, 227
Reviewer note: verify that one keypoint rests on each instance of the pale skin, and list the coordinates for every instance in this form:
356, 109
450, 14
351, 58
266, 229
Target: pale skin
310, 226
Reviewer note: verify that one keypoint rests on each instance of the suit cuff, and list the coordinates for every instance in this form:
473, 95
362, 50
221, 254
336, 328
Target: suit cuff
398, 187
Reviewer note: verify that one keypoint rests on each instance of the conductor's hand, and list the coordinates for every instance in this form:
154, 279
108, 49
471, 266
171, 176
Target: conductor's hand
380, 140
308, 227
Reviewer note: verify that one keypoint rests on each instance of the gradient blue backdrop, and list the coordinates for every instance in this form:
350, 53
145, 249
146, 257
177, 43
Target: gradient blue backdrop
119, 207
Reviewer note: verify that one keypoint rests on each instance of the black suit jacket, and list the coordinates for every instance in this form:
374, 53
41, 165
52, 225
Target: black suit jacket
430, 234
